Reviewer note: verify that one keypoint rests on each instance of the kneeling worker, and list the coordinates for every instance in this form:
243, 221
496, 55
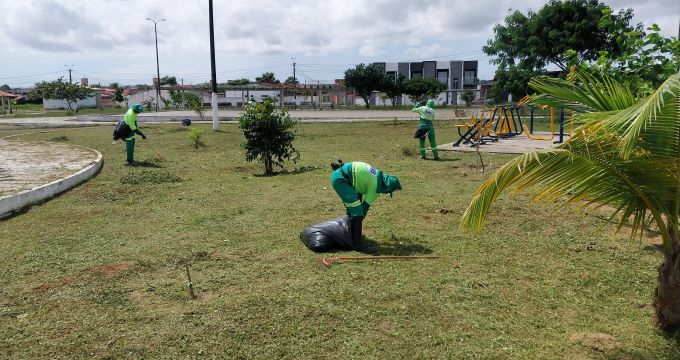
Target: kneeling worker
358, 185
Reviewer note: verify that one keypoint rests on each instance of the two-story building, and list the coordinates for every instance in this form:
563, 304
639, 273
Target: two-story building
457, 75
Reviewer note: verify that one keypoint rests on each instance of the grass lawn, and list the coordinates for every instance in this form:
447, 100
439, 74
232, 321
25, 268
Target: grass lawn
33, 110
97, 272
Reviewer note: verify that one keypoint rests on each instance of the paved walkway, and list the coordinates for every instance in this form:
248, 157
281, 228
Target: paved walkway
26, 165
519, 144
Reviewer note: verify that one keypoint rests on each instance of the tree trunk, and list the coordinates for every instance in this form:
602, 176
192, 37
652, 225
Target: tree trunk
667, 294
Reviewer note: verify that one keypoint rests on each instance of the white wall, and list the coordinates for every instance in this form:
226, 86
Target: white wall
51, 104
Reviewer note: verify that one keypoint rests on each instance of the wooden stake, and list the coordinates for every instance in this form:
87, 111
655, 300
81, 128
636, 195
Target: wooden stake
191, 284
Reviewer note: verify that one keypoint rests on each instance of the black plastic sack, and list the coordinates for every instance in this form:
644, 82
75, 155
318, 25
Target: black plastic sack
186, 122
421, 133
328, 235
121, 130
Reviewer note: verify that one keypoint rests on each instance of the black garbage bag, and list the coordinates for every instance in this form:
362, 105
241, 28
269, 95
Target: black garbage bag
328, 235
421, 133
186, 122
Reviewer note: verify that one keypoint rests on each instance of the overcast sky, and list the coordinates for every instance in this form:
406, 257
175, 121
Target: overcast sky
111, 41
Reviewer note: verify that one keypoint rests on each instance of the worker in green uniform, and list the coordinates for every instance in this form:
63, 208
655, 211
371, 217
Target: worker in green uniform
131, 121
426, 128
358, 185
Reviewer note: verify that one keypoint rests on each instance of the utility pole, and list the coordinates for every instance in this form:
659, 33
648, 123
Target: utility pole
294, 86
69, 68
182, 93
213, 100
158, 71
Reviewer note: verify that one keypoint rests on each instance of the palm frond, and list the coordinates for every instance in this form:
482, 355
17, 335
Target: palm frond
657, 116
589, 93
575, 175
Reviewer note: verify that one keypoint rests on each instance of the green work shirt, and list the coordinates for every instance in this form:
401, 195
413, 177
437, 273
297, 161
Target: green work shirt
426, 116
364, 179
131, 119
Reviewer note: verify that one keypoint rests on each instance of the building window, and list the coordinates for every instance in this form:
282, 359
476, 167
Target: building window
416, 74
455, 84
470, 78
392, 75
443, 77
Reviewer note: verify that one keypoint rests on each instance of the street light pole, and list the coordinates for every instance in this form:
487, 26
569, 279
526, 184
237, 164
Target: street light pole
158, 71
213, 73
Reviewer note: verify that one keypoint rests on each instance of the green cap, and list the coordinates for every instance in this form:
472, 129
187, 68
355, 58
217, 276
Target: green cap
137, 108
391, 183
430, 104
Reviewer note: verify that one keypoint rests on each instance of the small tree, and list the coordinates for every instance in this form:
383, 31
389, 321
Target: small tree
468, 96
118, 95
269, 135
194, 103
238, 82
393, 88
168, 80
195, 137
267, 77
421, 89
365, 79
291, 81
61, 90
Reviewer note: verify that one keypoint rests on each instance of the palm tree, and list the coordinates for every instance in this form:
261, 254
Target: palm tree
625, 154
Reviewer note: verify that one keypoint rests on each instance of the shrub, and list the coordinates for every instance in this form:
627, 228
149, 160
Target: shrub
269, 135
195, 137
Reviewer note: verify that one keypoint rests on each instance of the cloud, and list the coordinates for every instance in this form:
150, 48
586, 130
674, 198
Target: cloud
259, 33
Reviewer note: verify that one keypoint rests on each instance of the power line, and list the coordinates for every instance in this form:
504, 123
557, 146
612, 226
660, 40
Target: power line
27, 76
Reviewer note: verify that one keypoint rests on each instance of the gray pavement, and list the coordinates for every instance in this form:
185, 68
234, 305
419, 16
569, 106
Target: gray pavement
26, 165
519, 144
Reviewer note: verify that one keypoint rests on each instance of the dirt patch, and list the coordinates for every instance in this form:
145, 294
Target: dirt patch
595, 341
109, 269
55, 284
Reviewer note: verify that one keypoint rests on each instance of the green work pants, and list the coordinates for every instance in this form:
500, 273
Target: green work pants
130, 147
433, 144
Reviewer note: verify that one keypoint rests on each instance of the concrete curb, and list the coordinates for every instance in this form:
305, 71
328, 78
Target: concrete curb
15, 202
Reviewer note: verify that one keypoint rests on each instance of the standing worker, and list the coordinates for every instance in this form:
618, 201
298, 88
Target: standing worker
358, 185
131, 121
426, 128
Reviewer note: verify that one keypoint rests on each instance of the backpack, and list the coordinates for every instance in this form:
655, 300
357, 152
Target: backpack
121, 130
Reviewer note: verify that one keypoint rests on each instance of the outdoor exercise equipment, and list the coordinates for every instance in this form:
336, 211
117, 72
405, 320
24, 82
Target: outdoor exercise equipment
329, 260
530, 131
504, 121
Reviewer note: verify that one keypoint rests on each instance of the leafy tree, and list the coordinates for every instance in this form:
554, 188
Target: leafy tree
267, 77
525, 44
646, 62
168, 80
268, 135
114, 85
393, 88
365, 79
468, 96
194, 103
118, 95
623, 156
421, 89
61, 90
238, 82
5, 88
292, 81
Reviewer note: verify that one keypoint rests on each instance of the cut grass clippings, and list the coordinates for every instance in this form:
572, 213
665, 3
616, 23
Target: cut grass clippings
149, 177
97, 272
